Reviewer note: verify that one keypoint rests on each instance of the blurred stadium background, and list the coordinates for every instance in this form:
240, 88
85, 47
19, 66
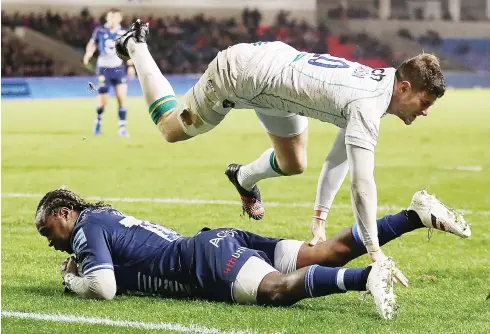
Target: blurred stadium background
47, 116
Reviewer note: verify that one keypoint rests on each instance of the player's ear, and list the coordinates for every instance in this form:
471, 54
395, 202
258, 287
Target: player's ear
405, 86
64, 213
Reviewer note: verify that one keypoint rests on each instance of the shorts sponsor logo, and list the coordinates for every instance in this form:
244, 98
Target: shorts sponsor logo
211, 86
233, 258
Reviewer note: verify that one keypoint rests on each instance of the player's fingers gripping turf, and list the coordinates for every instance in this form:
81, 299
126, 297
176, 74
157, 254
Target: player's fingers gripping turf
318, 231
400, 277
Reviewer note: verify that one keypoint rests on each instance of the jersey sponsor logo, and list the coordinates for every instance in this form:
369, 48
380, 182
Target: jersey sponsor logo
360, 72
221, 235
233, 258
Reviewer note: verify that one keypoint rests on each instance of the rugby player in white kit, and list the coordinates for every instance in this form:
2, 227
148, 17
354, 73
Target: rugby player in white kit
286, 87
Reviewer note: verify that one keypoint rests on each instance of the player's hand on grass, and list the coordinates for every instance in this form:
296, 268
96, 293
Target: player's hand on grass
377, 255
318, 230
398, 276
69, 266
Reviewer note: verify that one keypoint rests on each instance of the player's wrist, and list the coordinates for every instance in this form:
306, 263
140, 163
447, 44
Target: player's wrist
373, 248
320, 215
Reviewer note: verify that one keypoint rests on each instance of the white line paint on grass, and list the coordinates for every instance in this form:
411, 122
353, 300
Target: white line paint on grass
186, 201
463, 168
193, 328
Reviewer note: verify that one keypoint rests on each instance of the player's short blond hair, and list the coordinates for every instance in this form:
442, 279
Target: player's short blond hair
424, 74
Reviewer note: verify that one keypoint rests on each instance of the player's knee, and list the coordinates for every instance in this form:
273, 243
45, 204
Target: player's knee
170, 128
275, 290
192, 123
170, 137
120, 101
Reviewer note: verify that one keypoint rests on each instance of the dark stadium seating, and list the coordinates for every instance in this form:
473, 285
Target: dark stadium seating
188, 45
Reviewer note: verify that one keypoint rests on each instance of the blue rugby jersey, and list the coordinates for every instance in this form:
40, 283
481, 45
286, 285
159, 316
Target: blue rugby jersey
104, 38
146, 257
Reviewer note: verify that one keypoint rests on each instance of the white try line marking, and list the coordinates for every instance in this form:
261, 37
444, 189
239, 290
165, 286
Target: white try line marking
186, 201
463, 168
193, 328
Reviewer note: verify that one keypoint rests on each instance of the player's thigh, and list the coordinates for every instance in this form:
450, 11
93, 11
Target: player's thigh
227, 269
121, 90
206, 104
282, 253
289, 137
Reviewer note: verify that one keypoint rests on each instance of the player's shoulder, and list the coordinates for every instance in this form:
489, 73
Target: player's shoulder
92, 222
99, 216
122, 30
100, 28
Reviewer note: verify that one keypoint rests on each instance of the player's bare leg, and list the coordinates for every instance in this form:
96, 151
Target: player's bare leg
287, 157
318, 267
279, 289
102, 101
158, 92
425, 210
121, 94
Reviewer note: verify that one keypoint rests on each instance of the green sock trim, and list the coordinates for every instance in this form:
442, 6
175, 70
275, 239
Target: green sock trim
274, 164
161, 106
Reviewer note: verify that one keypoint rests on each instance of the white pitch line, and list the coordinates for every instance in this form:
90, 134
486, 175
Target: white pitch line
193, 328
463, 168
187, 201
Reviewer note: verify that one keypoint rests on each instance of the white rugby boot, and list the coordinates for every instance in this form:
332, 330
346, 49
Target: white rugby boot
434, 214
380, 285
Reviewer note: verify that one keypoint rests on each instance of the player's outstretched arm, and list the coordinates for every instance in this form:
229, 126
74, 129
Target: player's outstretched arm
365, 202
98, 284
331, 178
364, 196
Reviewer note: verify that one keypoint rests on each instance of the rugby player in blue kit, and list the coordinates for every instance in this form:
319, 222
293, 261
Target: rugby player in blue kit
116, 253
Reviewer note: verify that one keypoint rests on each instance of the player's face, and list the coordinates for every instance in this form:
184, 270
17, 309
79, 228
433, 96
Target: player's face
57, 229
413, 104
108, 18
114, 19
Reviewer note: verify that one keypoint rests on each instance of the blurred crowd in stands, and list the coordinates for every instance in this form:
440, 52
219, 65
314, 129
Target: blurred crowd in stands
19, 60
188, 45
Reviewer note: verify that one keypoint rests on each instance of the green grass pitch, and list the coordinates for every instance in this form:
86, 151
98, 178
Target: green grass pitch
46, 144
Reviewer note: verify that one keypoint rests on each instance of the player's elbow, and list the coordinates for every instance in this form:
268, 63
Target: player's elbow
102, 285
104, 292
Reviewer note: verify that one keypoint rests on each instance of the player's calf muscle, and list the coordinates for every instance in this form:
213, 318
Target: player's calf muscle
278, 289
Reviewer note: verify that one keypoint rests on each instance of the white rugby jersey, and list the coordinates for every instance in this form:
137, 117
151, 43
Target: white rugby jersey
274, 78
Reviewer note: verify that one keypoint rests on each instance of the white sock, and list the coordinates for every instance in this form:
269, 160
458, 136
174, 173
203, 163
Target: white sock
152, 81
340, 279
261, 168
